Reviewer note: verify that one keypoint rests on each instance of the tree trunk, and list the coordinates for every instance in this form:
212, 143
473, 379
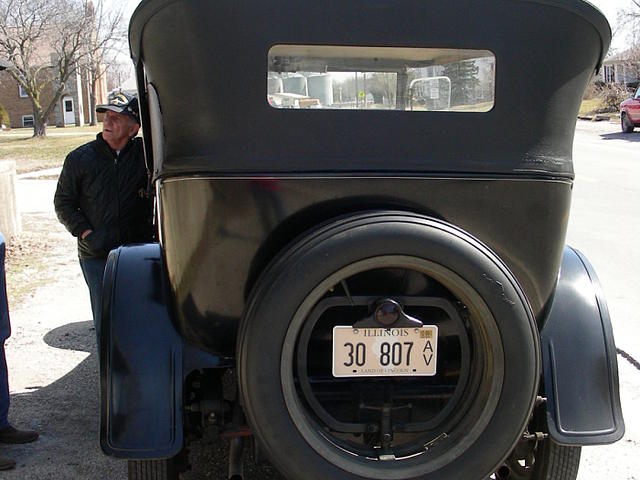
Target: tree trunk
39, 129
39, 124
92, 108
92, 99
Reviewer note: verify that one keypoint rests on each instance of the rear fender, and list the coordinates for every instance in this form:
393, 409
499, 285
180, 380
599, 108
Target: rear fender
579, 360
144, 361
140, 359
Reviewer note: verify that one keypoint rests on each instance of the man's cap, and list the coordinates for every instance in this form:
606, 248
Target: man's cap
4, 64
122, 103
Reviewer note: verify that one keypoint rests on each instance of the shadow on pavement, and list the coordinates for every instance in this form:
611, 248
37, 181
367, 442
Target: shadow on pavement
65, 413
73, 336
629, 137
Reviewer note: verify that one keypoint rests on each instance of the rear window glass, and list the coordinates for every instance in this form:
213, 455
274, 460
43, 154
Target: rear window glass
380, 78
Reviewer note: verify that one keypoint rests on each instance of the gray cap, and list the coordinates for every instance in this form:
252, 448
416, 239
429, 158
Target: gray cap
122, 103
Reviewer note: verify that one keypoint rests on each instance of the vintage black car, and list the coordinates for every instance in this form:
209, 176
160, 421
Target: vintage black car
361, 268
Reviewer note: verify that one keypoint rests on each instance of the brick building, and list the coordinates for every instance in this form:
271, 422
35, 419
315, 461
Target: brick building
71, 109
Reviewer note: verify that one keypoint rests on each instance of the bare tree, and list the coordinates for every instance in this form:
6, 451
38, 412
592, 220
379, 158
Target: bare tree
629, 21
630, 18
42, 39
118, 73
106, 38
634, 9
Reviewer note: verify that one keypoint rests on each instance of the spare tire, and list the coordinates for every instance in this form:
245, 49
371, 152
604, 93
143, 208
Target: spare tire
460, 423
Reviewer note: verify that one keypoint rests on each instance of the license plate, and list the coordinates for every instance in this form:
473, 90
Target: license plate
381, 352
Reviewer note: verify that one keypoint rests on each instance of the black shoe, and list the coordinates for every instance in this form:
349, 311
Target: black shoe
7, 464
13, 435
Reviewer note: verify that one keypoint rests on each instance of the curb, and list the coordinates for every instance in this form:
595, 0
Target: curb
597, 117
39, 173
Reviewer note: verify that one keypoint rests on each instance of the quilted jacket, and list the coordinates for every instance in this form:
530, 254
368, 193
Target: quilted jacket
107, 193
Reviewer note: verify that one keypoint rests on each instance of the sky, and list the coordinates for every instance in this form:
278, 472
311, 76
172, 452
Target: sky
609, 7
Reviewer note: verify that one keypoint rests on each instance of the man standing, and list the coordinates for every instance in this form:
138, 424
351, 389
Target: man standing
102, 196
8, 434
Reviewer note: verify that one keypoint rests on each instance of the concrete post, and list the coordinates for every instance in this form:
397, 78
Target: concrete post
10, 224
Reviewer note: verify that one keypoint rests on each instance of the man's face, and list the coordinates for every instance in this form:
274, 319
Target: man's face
117, 129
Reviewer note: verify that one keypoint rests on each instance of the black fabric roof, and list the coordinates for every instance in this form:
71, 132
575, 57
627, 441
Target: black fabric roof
207, 63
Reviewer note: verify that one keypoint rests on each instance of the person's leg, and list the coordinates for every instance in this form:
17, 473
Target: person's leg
9, 434
4, 389
93, 271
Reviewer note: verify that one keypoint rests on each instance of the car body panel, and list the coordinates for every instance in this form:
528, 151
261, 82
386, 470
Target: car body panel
140, 359
580, 363
631, 108
214, 255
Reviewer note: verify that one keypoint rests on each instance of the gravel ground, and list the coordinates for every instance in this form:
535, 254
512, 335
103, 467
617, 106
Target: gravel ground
53, 370
53, 373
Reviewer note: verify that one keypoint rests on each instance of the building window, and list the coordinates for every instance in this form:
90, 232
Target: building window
23, 92
609, 74
27, 121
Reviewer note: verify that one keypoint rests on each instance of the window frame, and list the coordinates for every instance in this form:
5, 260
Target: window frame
287, 62
33, 121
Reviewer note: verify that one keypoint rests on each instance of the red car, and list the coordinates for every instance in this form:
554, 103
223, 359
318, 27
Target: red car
630, 113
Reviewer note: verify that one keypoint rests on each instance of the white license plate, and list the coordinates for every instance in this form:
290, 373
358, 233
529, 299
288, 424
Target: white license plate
381, 352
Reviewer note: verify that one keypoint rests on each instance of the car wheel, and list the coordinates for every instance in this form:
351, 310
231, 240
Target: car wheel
458, 423
626, 124
538, 457
152, 470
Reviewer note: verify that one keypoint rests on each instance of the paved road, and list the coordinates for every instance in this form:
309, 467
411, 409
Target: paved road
605, 219
604, 225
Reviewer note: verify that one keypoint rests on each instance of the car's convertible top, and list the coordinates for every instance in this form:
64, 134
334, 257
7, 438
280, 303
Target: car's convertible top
206, 99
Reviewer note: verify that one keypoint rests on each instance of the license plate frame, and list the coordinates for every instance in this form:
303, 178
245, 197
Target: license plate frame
410, 351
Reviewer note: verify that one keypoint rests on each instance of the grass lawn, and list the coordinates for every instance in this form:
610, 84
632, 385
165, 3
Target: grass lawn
31, 154
589, 106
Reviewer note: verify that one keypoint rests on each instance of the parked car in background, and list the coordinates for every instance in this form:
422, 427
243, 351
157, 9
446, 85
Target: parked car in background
630, 113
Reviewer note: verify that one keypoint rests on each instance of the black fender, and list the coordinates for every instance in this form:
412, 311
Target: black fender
579, 360
140, 359
143, 359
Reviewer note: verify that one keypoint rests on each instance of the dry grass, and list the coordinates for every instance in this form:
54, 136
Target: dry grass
590, 106
31, 154
33, 256
477, 107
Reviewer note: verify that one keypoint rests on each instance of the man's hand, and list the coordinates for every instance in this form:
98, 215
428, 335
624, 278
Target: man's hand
84, 234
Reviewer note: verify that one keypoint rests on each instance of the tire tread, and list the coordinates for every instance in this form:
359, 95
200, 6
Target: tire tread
626, 124
150, 470
562, 462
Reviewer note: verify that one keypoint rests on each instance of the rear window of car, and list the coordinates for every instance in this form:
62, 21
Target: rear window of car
380, 78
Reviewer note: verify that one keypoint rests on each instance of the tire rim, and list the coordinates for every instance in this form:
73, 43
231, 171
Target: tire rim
458, 421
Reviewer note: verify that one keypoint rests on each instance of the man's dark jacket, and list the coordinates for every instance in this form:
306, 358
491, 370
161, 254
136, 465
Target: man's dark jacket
101, 191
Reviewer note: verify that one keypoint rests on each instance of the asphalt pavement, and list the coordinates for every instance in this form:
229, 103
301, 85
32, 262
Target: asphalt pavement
605, 226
